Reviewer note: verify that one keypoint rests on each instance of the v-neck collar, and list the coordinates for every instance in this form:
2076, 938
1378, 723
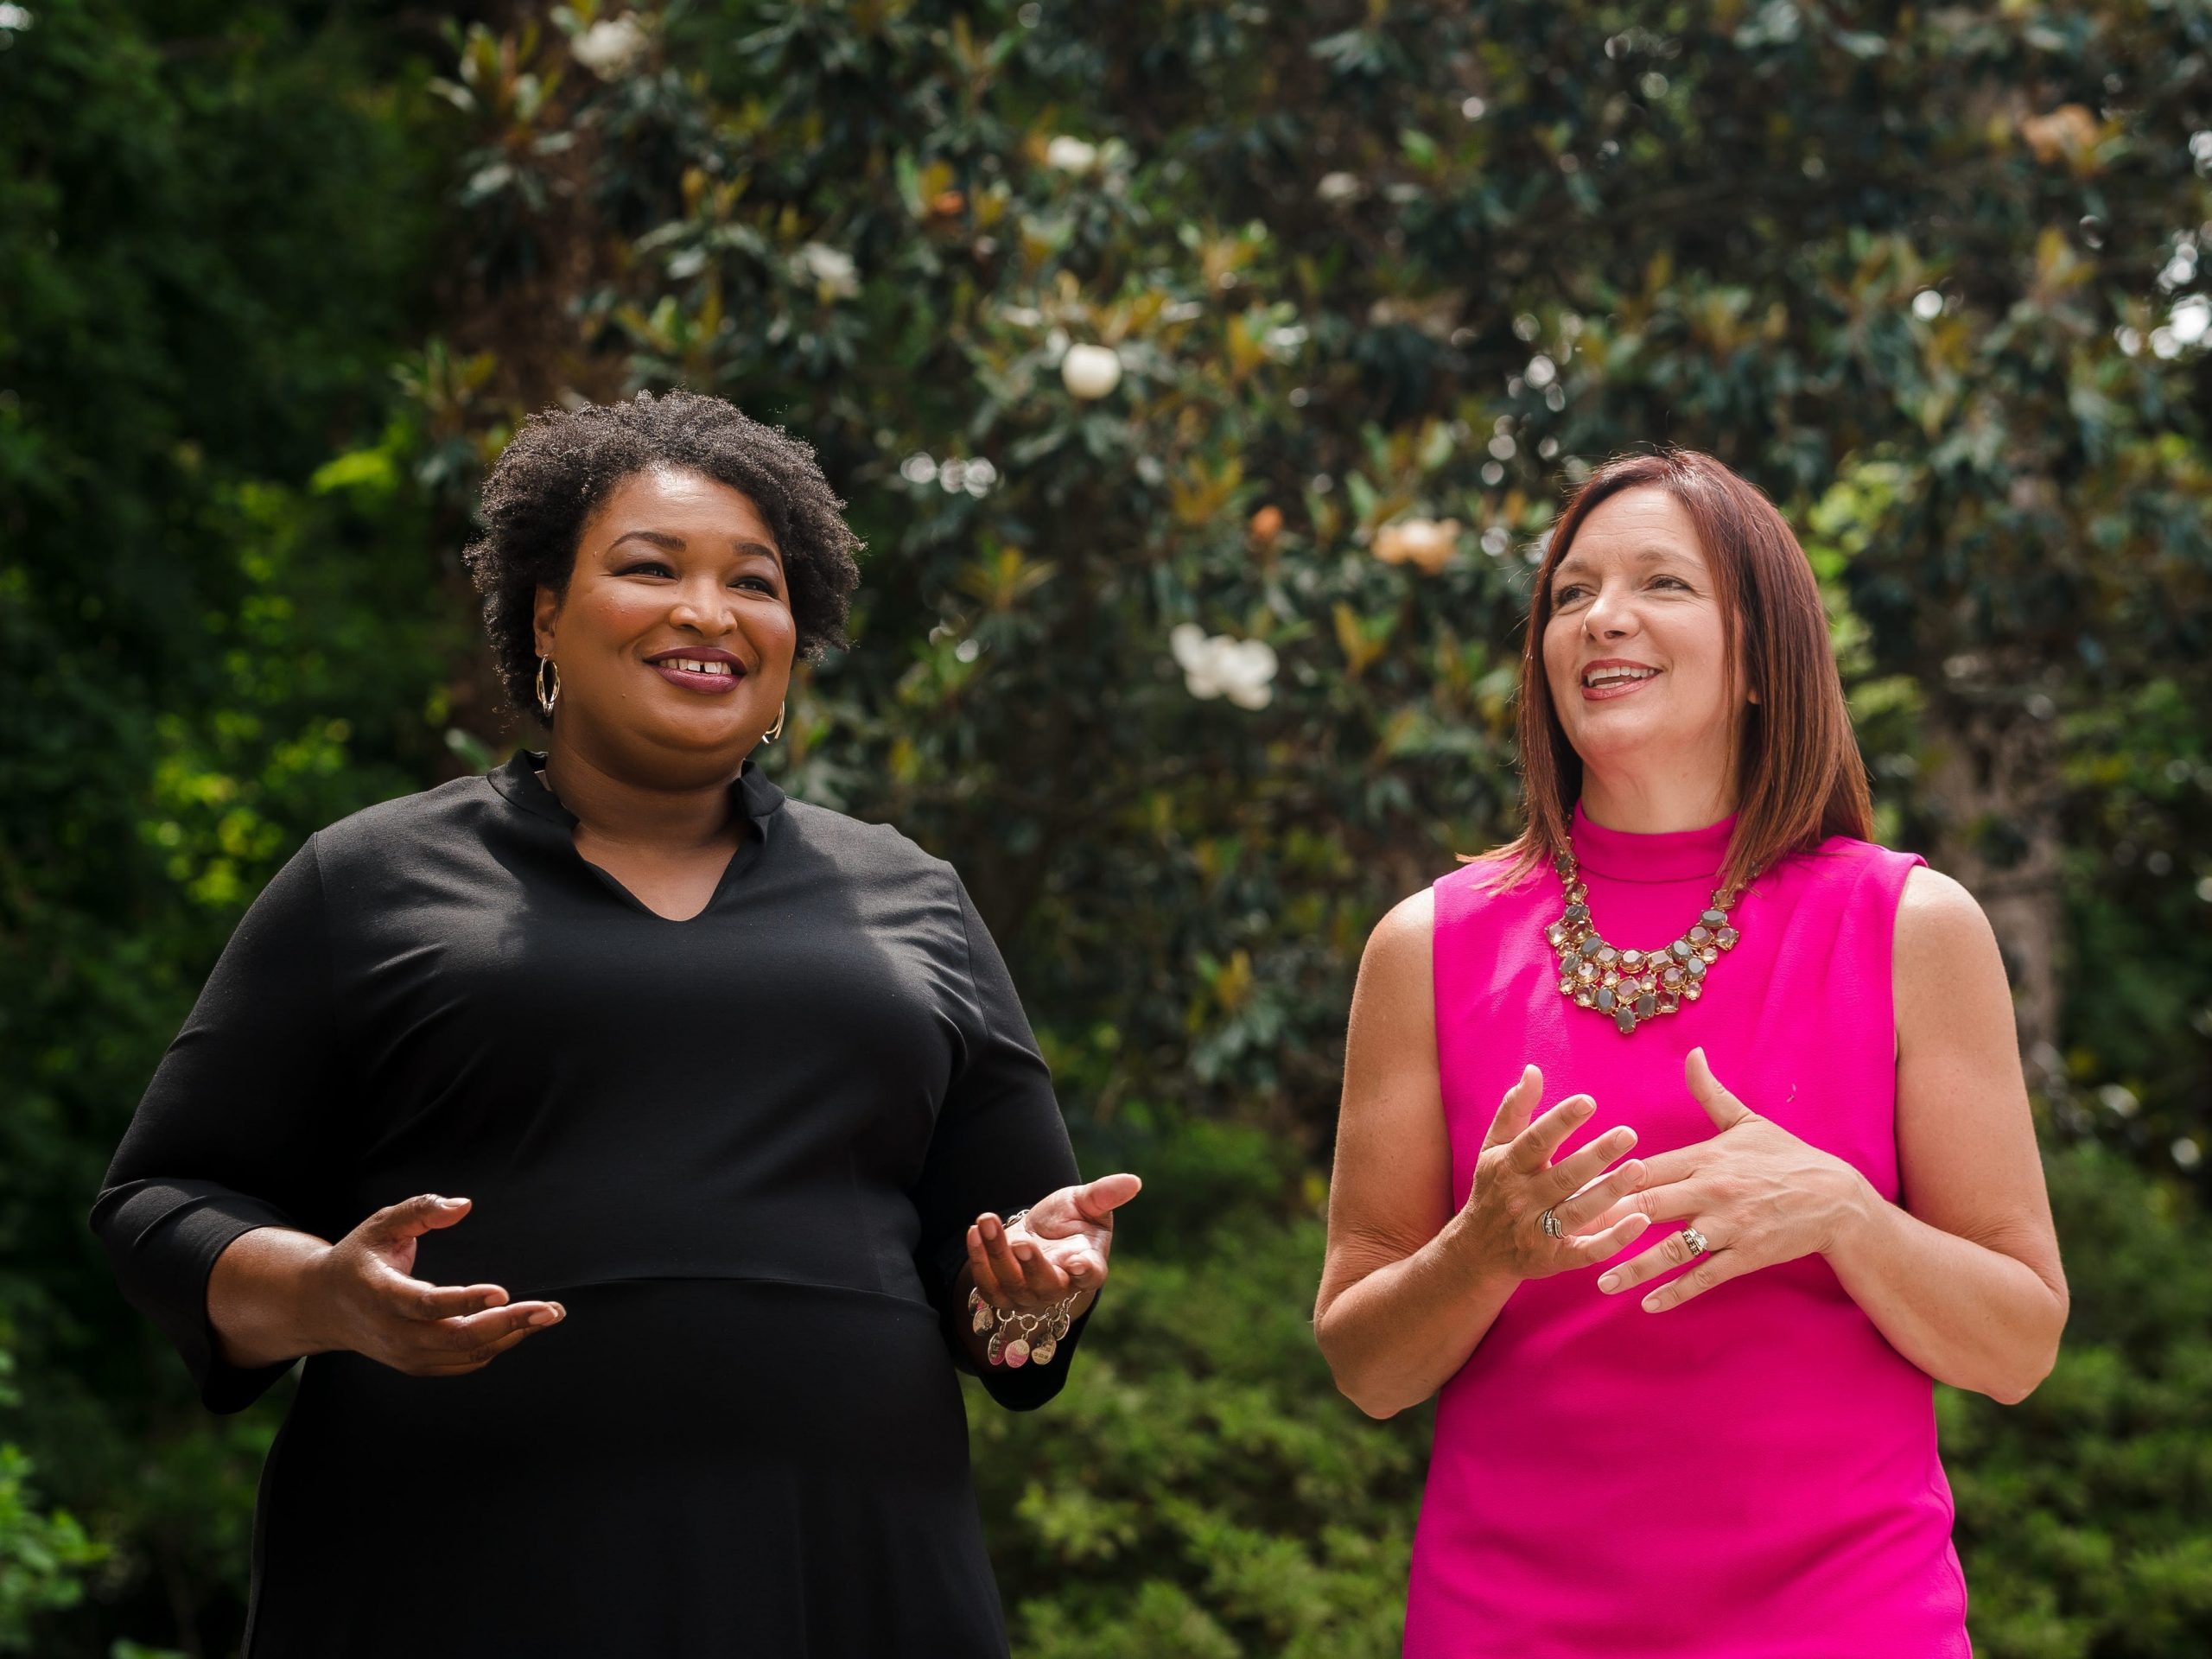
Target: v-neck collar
518, 781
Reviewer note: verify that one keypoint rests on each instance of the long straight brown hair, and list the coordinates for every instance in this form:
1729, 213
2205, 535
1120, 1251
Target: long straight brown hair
1799, 775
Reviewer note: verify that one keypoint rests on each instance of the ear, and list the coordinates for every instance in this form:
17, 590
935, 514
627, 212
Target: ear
545, 612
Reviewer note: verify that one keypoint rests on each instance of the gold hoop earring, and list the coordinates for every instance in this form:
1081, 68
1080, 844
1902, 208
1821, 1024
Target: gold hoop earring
546, 699
777, 730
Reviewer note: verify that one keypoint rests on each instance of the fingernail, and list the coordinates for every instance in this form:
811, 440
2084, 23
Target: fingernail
543, 1316
1610, 1282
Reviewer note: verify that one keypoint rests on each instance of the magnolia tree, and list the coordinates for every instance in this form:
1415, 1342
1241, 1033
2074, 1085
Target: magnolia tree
1201, 383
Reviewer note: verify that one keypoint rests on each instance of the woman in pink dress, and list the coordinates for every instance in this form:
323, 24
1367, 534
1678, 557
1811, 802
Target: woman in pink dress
1623, 1171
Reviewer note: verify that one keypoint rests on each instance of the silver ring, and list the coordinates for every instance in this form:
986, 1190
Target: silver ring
1696, 1241
1552, 1229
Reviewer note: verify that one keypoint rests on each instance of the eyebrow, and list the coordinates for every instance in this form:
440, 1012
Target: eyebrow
662, 538
1575, 561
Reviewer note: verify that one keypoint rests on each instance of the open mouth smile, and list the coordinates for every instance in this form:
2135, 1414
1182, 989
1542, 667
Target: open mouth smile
1614, 680
716, 673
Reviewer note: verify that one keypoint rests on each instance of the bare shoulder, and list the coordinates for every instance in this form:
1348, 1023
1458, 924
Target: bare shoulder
1391, 1002
1938, 923
1403, 942
1947, 972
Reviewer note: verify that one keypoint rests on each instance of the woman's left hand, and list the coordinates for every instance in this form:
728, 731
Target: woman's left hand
1059, 1248
1758, 1194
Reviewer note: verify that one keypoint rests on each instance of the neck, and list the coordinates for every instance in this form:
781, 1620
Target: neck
615, 806
1657, 805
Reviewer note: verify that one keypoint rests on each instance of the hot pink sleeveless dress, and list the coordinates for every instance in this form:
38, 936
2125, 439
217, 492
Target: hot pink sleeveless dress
1752, 1475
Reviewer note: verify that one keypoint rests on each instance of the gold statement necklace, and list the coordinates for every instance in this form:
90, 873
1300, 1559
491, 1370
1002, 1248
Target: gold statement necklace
1629, 987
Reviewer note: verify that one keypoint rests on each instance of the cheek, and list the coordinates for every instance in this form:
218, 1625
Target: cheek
774, 631
613, 613
1702, 647
1559, 658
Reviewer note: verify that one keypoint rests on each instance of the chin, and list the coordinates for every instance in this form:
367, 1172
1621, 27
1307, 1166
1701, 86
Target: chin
1625, 749
723, 735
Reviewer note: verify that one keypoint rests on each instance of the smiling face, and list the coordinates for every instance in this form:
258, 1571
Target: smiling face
1634, 647
674, 641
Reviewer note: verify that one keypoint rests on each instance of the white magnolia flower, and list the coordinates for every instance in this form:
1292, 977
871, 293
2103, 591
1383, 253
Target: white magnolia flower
1214, 665
611, 48
1091, 372
1070, 155
831, 269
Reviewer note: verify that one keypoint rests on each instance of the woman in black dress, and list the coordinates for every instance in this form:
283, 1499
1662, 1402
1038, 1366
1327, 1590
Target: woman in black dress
662, 1125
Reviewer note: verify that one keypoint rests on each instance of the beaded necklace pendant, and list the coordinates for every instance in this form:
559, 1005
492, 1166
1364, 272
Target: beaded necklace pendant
1629, 987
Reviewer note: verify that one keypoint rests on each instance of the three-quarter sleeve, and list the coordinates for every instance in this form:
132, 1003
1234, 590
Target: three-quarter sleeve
1000, 1144
227, 1136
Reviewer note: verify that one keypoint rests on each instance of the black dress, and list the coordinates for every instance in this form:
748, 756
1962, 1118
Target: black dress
743, 1150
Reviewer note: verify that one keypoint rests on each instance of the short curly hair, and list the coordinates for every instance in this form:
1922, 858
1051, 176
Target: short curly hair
563, 464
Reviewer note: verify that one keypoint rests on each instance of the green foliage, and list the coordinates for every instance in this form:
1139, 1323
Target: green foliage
1378, 281
44, 1553
2085, 1513
214, 228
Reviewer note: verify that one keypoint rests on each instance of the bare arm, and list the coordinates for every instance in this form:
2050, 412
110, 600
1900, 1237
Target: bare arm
1410, 1284
1965, 1279
258, 1299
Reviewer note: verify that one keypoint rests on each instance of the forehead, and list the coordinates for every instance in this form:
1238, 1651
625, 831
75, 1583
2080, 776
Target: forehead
678, 501
1636, 527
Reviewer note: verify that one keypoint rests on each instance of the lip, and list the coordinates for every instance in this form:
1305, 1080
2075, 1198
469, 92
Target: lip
662, 663
1603, 693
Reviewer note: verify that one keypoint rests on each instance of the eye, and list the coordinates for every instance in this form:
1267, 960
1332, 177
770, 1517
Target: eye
1567, 593
1677, 580
758, 585
644, 567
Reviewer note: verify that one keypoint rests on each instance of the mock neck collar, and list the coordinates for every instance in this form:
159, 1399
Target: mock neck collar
1666, 856
517, 779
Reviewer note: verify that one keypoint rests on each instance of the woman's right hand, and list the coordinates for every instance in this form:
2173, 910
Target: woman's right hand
366, 1300
1515, 1181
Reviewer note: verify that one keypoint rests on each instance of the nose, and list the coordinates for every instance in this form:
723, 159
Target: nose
1610, 614
703, 606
